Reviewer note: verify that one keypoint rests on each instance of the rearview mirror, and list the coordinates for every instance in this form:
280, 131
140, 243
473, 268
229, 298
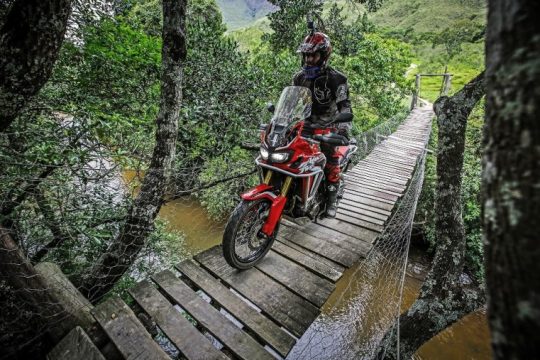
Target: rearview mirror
270, 107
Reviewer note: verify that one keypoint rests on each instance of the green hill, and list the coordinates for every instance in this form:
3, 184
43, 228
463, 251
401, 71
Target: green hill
421, 16
413, 21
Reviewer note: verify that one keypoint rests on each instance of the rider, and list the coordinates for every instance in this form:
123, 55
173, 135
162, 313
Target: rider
330, 96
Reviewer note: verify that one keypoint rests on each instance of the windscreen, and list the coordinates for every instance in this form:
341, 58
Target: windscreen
294, 104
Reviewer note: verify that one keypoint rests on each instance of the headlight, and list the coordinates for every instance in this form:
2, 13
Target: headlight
279, 157
264, 153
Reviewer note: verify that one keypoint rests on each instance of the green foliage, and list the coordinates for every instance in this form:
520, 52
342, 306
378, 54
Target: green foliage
376, 78
461, 32
289, 22
220, 200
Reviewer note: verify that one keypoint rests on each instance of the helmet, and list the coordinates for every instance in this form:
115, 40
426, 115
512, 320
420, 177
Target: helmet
316, 42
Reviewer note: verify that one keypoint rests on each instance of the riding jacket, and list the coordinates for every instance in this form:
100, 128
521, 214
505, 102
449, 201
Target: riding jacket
330, 96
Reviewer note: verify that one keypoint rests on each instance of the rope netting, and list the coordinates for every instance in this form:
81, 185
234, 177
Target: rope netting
65, 197
353, 324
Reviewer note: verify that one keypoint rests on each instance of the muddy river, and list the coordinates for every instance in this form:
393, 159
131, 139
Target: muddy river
338, 326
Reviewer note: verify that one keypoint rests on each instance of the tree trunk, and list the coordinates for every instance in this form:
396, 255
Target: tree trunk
31, 291
124, 249
511, 178
30, 40
443, 300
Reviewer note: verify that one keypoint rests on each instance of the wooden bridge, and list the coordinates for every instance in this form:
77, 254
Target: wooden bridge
261, 312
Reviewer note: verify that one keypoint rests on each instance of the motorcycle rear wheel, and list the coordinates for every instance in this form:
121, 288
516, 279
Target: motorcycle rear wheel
243, 243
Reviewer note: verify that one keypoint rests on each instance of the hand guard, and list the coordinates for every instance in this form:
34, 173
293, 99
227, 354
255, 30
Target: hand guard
345, 133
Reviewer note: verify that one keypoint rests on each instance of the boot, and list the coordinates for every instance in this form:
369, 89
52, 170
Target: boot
331, 200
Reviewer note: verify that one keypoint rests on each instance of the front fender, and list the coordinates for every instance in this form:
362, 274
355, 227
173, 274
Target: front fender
259, 192
263, 191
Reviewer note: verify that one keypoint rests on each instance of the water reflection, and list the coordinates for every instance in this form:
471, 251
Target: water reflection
356, 316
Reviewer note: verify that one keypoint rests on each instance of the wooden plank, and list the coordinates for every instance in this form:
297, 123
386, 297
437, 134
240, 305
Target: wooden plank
364, 206
347, 228
298, 234
330, 251
264, 328
300, 257
368, 225
378, 185
399, 150
403, 145
368, 199
360, 216
395, 154
376, 178
371, 173
344, 205
317, 257
381, 166
340, 215
126, 331
239, 342
387, 163
400, 144
287, 309
347, 241
296, 278
372, 170
377, 194
191, 343
75, 345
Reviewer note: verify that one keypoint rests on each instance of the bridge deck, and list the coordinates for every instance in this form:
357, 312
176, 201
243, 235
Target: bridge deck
261, 312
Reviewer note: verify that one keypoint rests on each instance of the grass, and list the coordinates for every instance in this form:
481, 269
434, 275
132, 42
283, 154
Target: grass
422, 16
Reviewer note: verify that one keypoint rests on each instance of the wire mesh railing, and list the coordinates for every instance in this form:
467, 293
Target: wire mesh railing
65, 198
355, 323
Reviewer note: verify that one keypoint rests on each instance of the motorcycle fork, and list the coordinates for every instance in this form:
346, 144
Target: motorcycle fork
276, 209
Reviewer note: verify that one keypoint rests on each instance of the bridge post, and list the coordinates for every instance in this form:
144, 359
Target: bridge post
447, 83
416, 92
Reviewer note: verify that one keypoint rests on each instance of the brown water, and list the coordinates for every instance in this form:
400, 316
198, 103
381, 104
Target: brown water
351, 314
187, 216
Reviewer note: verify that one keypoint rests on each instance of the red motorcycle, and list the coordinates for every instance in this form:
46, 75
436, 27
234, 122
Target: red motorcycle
291, 169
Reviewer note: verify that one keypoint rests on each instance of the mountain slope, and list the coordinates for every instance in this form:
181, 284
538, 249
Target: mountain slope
242, 13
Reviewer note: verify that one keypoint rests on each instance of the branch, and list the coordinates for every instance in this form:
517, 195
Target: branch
207, 186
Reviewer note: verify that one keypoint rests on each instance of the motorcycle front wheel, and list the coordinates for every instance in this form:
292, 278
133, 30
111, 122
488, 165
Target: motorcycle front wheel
244, 245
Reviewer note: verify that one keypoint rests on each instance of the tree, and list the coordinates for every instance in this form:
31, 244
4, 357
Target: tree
29, 50
289, 22
511, 173
443, 299
122, 252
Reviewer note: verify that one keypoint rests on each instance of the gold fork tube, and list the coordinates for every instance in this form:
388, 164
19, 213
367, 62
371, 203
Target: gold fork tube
286, 186
268, 177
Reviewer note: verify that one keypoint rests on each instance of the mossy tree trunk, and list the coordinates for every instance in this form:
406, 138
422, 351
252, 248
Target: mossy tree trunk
123, 251
511, 178
443, 299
